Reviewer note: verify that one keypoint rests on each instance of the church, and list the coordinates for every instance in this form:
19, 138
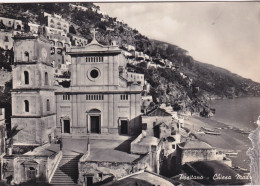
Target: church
100, 100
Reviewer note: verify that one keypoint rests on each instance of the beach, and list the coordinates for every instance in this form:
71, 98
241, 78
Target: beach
230, 139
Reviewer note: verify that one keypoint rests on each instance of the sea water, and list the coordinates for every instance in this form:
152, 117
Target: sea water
239, 112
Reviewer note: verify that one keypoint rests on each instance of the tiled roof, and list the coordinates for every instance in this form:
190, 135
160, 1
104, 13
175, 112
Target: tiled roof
158, 112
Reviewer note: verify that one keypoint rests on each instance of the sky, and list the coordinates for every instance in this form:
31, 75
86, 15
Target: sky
225, 34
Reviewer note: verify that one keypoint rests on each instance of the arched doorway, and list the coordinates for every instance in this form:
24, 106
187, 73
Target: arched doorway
94, 121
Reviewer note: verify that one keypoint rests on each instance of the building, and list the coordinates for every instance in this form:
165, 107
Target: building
33, 101
55, 21
142, 177
83, 8
195, 150
6, 40
12, 23
37, 166
50, 30
108, 102
34, 28
77, 40
134, 77
59, 45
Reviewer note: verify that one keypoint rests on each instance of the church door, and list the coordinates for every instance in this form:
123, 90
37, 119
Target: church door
95, 125
66, 128
124, 127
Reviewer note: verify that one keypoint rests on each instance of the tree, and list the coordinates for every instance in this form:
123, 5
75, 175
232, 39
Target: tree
72, 30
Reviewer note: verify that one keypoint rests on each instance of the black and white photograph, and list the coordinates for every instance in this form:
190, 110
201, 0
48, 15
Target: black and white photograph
133, 93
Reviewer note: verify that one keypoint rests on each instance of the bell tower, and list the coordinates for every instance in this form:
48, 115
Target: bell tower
33, 100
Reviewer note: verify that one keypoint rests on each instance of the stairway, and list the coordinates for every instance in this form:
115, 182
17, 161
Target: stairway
67, 171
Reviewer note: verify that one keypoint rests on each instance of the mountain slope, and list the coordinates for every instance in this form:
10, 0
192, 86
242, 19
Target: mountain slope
187, 87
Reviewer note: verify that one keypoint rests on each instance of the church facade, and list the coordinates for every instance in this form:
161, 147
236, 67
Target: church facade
99, 100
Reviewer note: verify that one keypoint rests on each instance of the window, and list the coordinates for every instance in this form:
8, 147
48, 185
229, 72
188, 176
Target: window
144, 126
26, 105
94, 73
46, 78
6, 39
52, 21
48, 105
26, 77
66, 97
124, 96
94, 97
94, 59
59, 51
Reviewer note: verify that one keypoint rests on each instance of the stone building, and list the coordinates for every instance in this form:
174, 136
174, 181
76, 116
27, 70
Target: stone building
33, 101
77, 40
59, 45
33, 27
12, 23
37, 166
194, 150
55, 21
6, 40
99, 100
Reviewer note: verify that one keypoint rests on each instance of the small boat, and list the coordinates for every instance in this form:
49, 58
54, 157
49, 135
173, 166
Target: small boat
212, 133
231, 154
207, 129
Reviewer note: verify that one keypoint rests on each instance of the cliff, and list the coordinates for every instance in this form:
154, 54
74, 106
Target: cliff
187, 87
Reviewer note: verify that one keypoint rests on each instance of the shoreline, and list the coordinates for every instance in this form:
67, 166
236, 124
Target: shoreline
230, 139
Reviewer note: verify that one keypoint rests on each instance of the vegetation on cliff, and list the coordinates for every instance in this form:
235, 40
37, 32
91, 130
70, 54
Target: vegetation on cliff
189, 94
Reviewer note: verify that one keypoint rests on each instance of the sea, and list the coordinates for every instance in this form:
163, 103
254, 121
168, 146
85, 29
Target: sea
241, 113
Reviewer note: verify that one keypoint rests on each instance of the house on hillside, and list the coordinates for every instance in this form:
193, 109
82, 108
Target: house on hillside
55, 21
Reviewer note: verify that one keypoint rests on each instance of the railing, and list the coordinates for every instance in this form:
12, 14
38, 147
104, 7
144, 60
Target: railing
55, 166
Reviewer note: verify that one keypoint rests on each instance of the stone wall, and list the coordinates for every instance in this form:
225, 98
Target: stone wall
112, 170
52, 164
17, 168
197, 155
139, 148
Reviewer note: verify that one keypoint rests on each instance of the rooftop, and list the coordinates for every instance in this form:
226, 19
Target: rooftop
143, 178
195, 144
103, 150
211, 169
158, 112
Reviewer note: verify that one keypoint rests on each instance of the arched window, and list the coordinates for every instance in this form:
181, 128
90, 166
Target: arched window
46, 78
26, 77
26, 105
48, 104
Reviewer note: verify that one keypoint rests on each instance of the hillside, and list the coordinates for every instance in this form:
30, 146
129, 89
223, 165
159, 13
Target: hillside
187, 87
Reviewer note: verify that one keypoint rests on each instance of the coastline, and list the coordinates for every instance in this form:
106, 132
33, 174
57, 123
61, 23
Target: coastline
231, 138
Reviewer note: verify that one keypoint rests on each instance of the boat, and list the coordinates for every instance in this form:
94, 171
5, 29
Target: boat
212, 133
207, 129
231, 154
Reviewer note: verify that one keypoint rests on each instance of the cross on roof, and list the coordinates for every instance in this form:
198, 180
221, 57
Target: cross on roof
94, 33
